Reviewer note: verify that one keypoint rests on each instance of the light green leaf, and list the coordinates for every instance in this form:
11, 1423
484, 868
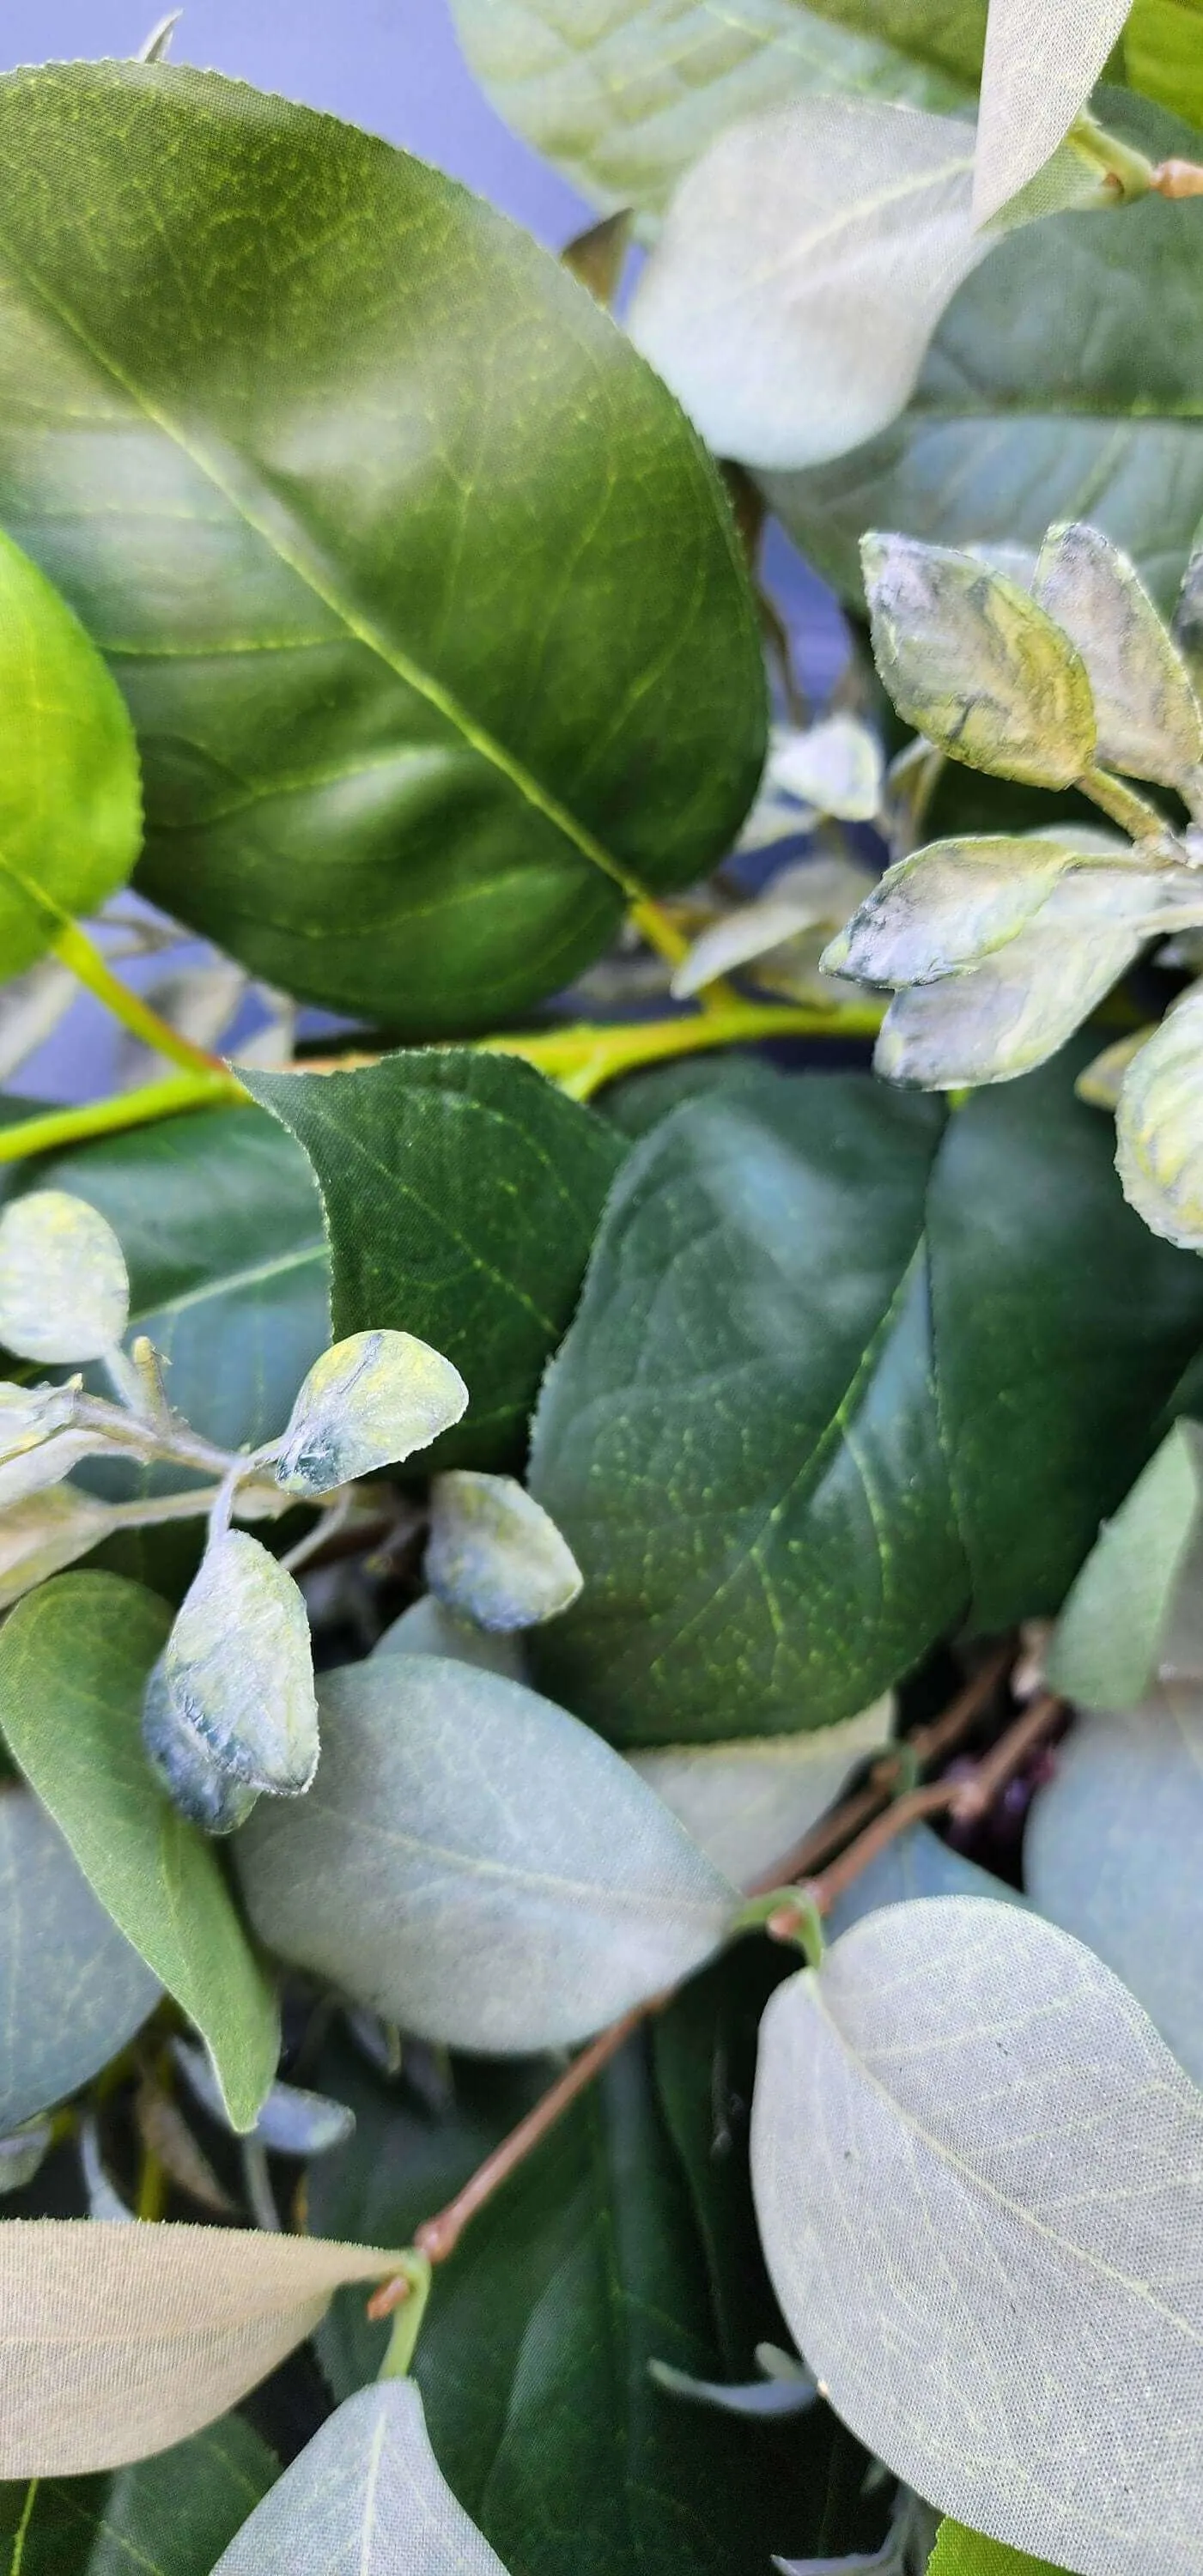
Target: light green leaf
462, 1193
1040, 67
427, 1628
70, 799
1007, 1015
74, 1661
475, 1865
969, 2086
479, 592
495, 1555
1111, 1853
1162, 54
72, 1991
950, 905
44, 1532
748, 1803
973, 663
236, 1674
164, 2517
368, 2491
961, 2552
785, 930
1159, 1126
1134, 1611
1148, 715
369, 1402
915, 1864
64, 1292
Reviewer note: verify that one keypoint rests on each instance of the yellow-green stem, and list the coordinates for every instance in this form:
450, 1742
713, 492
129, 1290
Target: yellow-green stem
583, 1059
660, 931
60, 1127
73, 948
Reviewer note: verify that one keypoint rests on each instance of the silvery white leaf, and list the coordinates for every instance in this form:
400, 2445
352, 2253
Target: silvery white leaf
64, 1293
32, 1007
972, 662
748, 1803
494, 1554
1159, 1126
767, 2399
801, 269
476, 1865
1041, 65
366, 2495
292, 2121
22, 2154
427, 1628
1136, 1608
1004, 1017
103, 2201
368, 1402
979, 2179
816, 895
1148, 715
953, 904
916, 1863
237, 1671
836, 766
42, 1534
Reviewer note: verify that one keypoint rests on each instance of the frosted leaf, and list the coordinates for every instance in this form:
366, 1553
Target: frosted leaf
1006, 1016
1136, 1607
45, 1532
366, 2494
814, 896
1148, 715
949, 906
973, 663
64, 1292
236, 1675
1159, 1126
195, 1781
368, 1402
494, 1554
746, 1804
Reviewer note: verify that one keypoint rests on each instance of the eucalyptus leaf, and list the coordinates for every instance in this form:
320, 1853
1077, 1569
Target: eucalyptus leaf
165, 2517
120, 2340
64, 1290
495, 1555
972, 662
1148, 715
72, 1990
427, 1628
74, 1661
757, 2398
422, 807
369, 1402
966, 2085
237, 1668
836, 766
292, 2122
1159, 1126
366, 2490
475, 1865
462, 1193
1040, 67
748, 1803
812, 898
1133, 1612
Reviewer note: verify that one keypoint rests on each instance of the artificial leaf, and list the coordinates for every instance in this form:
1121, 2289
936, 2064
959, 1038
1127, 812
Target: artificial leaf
1162, 54
917, 1863
1103, 1079
836, 767
74, 1662
748, 1803
1041, 64
42, 1533
1133, 1613
802, 267
120, 2340
477, 1866
1148, 715
950, 905
70, 807
966, 2086
366, 2490
34, 1004
1007, 1015
1158, 1131
972, 662
961, 2552
292, 2122
465, 639
1110, 1852
236, 1673
754, 2397
201, 1786
494, 1554
427, 1628
64, 1291
784, 930
462, 1193
368, 1402
163, 2517
72, 1991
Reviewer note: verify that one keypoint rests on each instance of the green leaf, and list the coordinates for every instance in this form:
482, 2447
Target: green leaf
475, 1865
72, 1991
971, 662
1069, 365
961, 2552
426, 600
1133, 1611
366, 2490
969, 2088
462, 1193
1158, 1129
70, 795
1111, 1853
74, 1662
1163, 54
164, 2517
775, 1508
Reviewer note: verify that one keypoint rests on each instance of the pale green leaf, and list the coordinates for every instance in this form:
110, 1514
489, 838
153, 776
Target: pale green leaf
1134, 1610
748, 1803
42, 1533
917, 1863
367, 2493
1148, 715
429, 1628
961, 2552
973, 663
64, 1291
72, 1990
1043, 58
369, 1402
495, 1555
1007, 1015
237, 1670
476, 1865
1159, 1126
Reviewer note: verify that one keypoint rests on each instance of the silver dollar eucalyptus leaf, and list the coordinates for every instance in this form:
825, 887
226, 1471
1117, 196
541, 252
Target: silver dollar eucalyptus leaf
1148, 715
1159, 1126
72, 1990
236, 1675
1136, 1609
476, 1865
369, 1402
973, 663
367, 2493
64, 1292
292, 2121
1007, 1015
428, 1628
495, 1555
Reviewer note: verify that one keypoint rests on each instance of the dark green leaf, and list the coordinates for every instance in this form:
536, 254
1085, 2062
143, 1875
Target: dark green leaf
462, 1195
1134, 1610
72, 1991
425, 598
742, 1440
169, 2516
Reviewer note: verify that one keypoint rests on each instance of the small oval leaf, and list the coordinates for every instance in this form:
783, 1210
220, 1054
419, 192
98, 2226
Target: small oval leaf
64, 1291
369, 1402
429, 1628
1148, 715
747, 1803
1005, 1016
495, 1555
367, 2493
236, 1676
1159, 1126
972, 662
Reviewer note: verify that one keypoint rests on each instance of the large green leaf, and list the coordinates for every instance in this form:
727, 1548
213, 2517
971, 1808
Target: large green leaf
72, 1991
780, 1486
462, 1194
169, 2516
1163, 53
70, 795
1065, 381
74, 1661
533, 2358
425, 598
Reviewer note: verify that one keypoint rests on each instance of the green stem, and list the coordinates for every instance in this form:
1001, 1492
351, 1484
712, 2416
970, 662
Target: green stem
414, 2272
73, 948
59, 1127
1133, 813
583, 1059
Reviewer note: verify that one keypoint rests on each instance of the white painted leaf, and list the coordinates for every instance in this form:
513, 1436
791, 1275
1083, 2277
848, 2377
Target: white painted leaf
64, 1293
45, 1532
1136, 1609
236, 1674
1111, 1853
366, 2495
1043, 58
368, 1402
427, 1628
802, 267
747, 1803
766, 2400
972, 662
1159, 1126
476, 1865
494, 1554
1148, 715
292, 2121
979, 2179
1006, 1016
120, 2340
198, 1785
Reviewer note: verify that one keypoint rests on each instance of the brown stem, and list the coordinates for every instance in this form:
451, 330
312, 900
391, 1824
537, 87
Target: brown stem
1177, 179
974, 1797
